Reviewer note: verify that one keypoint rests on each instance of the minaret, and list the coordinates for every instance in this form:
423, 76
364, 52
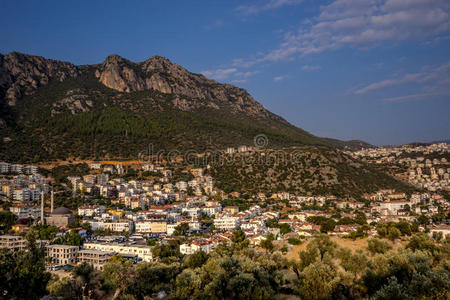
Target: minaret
51, 201
42, 207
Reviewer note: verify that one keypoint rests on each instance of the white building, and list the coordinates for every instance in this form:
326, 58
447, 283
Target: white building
96, 258
227, 222
4, 167
12, 242
115, 226
23, 211
140, 251
62, 254
89, 211
193, 246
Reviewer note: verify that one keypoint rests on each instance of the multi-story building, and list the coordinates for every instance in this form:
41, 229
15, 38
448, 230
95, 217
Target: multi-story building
30, 169
16, 168
151, 227
4, 167
21, 194
24, 211
12, 242
89, 211
96, 258
62, 254
194, 246
116, 226
227, 222
140, 251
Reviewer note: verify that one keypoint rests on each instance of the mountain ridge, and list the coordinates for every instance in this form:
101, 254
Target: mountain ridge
45, 102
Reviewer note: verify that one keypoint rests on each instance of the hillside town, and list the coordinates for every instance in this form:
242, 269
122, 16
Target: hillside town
424, 166
122, 215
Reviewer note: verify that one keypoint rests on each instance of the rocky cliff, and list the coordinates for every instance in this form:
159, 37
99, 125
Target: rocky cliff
22, 74
158, 73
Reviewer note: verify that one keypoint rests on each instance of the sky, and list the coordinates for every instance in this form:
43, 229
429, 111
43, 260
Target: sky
374, 70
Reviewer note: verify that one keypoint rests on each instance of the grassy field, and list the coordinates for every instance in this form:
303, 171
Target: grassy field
342, 242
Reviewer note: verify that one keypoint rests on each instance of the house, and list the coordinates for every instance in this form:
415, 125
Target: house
95, 166
230, 150
445, 229
193, 246
231, 209
394, 206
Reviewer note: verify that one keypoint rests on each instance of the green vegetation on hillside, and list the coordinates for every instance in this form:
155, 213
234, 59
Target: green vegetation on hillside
304, 170
80, 117
323, 270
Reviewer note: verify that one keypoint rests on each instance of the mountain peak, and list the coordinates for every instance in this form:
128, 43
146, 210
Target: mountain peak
115, 58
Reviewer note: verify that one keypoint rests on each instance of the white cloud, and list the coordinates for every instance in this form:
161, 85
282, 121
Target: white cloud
239, 81
362, 24
229, 73
272, 4
311, 68
217, 24
219, 74
279, 78
436, 75
408, 78
420, 96
246, 74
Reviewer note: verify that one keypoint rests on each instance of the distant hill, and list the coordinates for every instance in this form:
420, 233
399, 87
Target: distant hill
306, 171
54, 110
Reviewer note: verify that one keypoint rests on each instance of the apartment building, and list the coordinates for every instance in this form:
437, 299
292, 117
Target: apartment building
140, 251
24, 211
96, 258
62, 254
89, 211
151, 227
115, 226
12, 242
227, 222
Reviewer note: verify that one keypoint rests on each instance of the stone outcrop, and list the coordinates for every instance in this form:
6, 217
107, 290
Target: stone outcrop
158, 73
22, 74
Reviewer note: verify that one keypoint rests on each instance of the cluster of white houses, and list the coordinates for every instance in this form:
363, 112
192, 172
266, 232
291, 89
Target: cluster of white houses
24, 188
158, 208
432, 173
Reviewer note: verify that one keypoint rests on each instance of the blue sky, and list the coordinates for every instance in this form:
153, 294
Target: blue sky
376, 70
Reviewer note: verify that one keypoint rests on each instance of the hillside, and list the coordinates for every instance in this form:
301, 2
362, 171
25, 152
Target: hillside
53, 110
303, 170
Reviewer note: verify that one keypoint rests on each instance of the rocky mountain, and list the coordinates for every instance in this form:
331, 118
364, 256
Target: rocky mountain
52, 109
22, 75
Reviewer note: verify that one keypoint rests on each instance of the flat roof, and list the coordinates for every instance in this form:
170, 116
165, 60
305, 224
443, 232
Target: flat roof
62, 246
